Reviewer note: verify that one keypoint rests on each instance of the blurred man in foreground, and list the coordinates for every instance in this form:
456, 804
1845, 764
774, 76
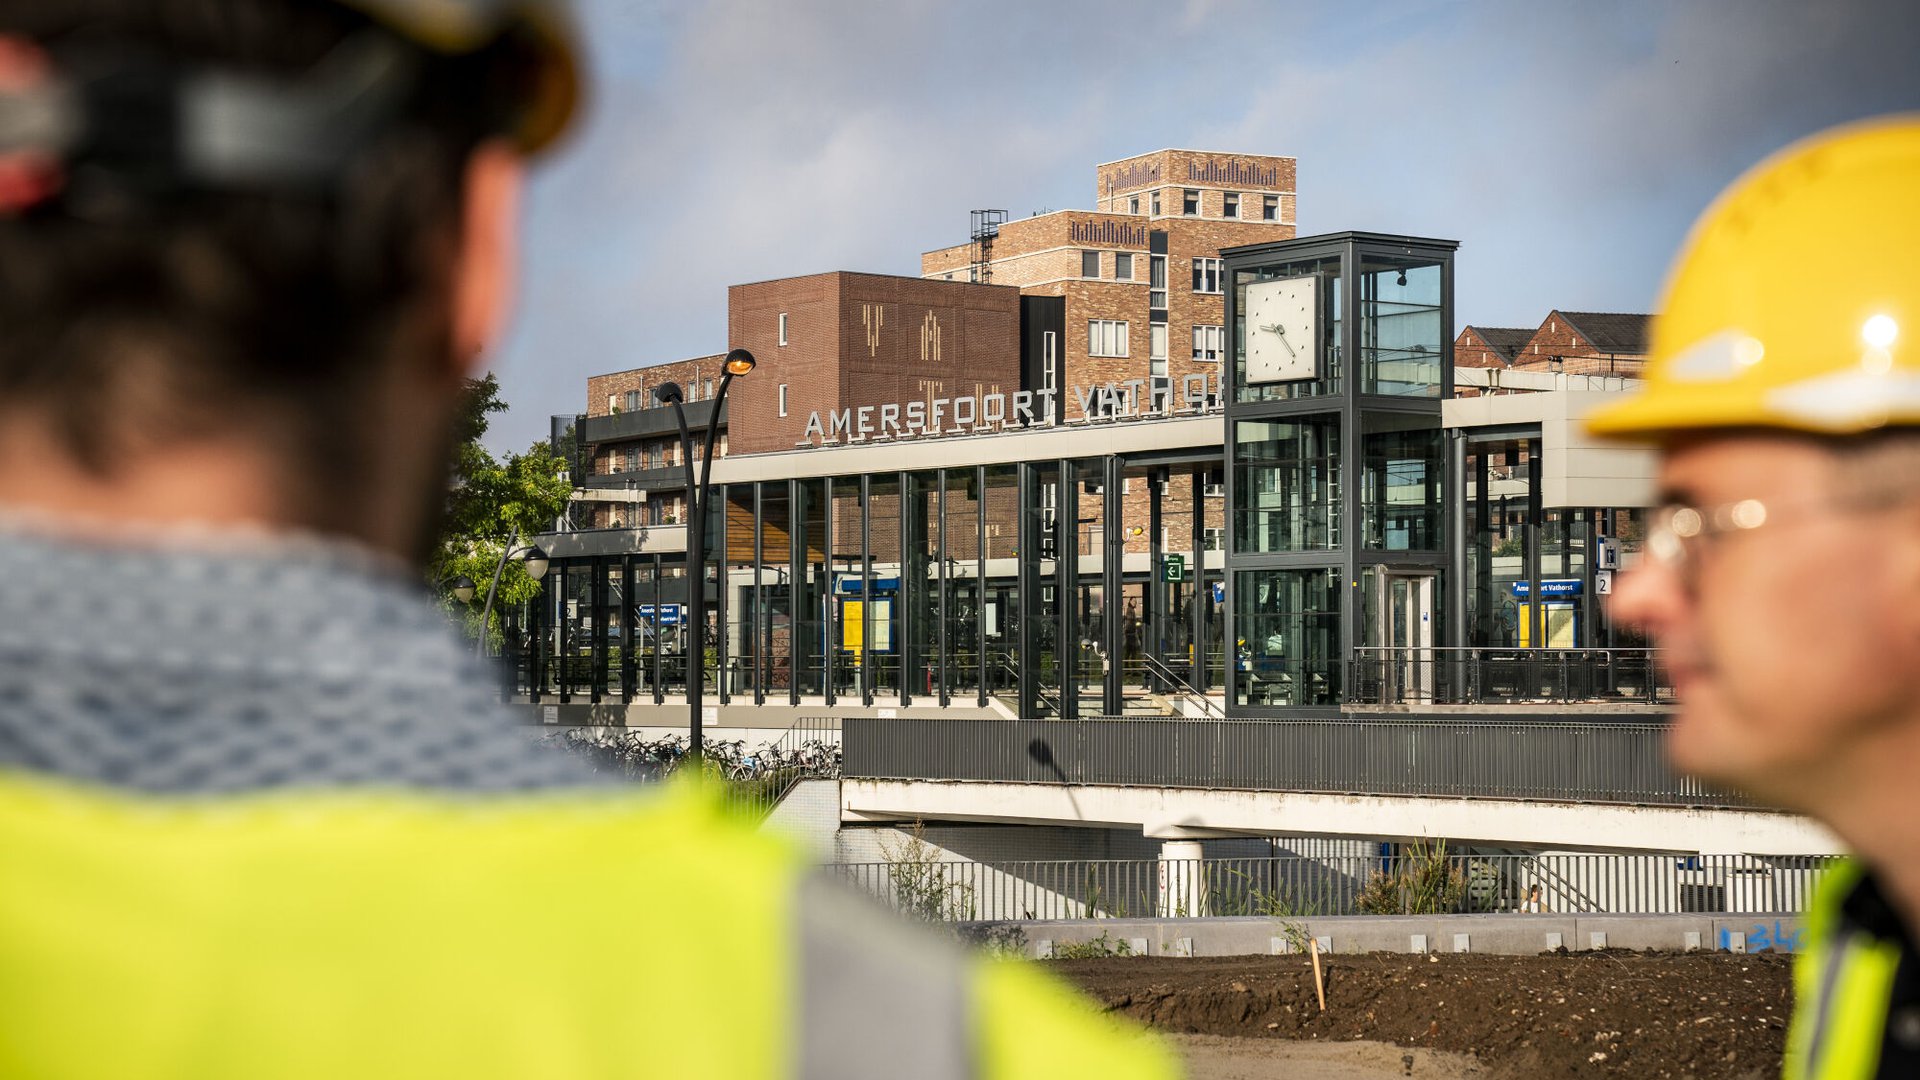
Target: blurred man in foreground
258, 816
1782, 576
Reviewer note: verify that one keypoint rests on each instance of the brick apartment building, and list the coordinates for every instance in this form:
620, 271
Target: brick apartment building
1140, 276
1052, 318
1573, 342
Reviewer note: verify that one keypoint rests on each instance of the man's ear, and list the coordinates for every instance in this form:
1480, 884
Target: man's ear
487, 263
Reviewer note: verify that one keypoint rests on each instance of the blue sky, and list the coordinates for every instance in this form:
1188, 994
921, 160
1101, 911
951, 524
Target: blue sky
1565, 145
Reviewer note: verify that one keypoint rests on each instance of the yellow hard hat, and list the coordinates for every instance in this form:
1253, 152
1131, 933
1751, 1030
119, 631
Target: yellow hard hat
1795, 303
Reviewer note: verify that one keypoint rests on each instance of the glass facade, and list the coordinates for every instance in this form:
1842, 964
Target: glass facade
1287, 485
1044, 586
1288, 623
1402, 336
1402, 491
1531, 572
1340, 543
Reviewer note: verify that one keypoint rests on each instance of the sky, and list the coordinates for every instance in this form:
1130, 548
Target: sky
1567, 146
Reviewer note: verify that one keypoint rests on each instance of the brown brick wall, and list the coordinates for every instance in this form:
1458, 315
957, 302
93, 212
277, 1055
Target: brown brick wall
1576, 355
700, 369
866, 340
1170, 172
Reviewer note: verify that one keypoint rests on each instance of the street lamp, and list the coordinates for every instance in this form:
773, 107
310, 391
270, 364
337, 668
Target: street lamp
738, 362
463, 589
536, 565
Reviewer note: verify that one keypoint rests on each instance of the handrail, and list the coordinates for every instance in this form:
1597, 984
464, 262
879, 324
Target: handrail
1159, 669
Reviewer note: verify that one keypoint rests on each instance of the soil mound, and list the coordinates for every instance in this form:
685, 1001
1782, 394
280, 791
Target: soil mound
1605, 1013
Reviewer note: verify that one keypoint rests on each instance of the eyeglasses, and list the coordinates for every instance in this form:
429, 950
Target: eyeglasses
1674, 532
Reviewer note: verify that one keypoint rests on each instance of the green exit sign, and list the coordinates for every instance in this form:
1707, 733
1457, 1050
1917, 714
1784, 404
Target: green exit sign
1174, 569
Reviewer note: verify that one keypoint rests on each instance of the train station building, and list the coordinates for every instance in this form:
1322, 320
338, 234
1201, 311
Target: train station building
1162, 457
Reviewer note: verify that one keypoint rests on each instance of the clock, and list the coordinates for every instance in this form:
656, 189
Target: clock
1283, 330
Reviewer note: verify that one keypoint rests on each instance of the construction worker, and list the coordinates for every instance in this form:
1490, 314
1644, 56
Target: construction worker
1781, 576
259, 815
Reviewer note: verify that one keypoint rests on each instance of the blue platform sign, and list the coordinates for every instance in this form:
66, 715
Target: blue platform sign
1551, 587
850, 586
661, 615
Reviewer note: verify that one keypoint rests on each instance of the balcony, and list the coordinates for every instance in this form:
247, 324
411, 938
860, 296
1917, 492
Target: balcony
645, 423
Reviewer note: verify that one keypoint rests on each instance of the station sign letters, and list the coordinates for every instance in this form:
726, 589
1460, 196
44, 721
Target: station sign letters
973, 413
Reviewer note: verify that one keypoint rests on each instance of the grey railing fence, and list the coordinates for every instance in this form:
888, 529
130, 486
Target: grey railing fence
1605, 762
1484, 676
1285, 886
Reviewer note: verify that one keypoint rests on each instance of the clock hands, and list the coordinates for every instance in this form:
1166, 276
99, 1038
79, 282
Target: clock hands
1276, 328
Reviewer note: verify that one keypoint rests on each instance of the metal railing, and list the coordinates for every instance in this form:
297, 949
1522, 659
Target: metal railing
1287, 886
1158, 672
1485, 676
1571, 761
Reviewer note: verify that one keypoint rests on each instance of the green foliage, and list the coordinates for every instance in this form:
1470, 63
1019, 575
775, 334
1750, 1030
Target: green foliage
924, 886
489, 499
1513, 545
1092, 950
1424, 880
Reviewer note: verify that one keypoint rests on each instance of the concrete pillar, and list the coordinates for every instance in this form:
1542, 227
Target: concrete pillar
1183, 879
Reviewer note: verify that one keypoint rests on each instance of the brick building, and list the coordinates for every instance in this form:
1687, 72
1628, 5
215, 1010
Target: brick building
631, 446
1140, 276
1570, 342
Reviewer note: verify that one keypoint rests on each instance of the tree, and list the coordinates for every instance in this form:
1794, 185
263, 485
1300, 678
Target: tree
487, 501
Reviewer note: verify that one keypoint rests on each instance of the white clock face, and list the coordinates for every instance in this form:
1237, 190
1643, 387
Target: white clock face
1283, 330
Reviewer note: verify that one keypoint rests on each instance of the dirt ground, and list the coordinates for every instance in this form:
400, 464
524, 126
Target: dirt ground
1711, 1016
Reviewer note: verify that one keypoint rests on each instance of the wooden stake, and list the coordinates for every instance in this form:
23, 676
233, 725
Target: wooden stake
1319, 986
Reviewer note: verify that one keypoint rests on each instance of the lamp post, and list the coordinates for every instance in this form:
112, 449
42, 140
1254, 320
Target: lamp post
536, 561
738, 362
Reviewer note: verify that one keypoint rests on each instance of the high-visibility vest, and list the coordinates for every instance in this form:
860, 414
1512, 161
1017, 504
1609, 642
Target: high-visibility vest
1842, 985
335, 935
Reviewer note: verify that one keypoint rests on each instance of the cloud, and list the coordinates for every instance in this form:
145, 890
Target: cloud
1566, 146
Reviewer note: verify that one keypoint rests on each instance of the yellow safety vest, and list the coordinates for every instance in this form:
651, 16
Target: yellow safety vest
336, 935
1842, 985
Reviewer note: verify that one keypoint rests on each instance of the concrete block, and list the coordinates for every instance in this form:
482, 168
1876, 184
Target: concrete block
1460, 942
1279, 946
1596, 939
1326, 943
1736, 941
1138, 945
1691, 940
1556, 941
1183, 946
1419, 943
1043, 949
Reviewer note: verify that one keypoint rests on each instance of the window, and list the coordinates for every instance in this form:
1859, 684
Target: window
708, 391
1190, 202
1122, 266
635, 401
1153, 203
1206, 275
1106, 337
633, 459
1090, 264
613, 404
1231, 204
1159, 384
1157, 282
783, 399
1206, 343
1270, 208
1049, 379
1210, 537
1133, 205
783, 333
